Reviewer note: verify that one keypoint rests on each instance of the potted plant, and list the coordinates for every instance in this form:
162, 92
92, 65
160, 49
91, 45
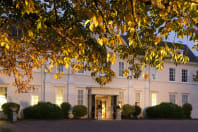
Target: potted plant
118, 112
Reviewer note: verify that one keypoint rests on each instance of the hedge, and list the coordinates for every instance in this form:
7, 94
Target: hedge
43, 110
165, 111
127, 111
65, 107
79, 111
187, 110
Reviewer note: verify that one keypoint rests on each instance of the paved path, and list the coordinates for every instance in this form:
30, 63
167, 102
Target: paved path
105, 126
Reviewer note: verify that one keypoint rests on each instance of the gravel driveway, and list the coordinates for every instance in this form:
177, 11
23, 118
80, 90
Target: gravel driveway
105, 126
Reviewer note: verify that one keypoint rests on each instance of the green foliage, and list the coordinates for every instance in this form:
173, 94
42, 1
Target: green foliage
8, 106
127, 111
79, 111
165, 111
195, 77
66, 107
43, 110
187, 110
137, 111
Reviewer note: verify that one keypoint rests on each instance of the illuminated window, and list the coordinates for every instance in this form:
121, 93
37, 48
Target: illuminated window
137, 99
60, 68
59, 96
121, 68
171, 74
172, 98
3, 96
34, 100
154, 99
184, 99
80, 97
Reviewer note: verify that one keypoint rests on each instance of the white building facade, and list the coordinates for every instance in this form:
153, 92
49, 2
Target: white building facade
172, 84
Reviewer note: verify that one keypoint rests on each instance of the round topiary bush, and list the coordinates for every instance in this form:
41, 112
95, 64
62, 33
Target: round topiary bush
165, 111
127, 111
137, 111
79, 111
43, 110
187, 109
65, 108
7, 108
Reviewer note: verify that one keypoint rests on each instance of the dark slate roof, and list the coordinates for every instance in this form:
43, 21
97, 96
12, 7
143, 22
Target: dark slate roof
185, 48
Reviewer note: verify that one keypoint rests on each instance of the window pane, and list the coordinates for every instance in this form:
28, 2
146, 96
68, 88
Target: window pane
121, 68
154, 73
137, 99
59, 96
184, 75
172, 98
80, 97
34, 99
184, 99
60, 68
154, 99
171, 74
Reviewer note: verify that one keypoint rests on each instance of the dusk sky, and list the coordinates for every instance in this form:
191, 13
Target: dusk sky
172, 38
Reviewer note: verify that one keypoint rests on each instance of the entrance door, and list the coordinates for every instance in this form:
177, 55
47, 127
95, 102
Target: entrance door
103, 109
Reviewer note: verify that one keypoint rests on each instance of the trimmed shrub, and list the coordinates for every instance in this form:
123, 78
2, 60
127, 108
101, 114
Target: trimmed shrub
65, 107
165, 111
127, 111
7, 108
79, 111
187, 109
137, 111
43, 110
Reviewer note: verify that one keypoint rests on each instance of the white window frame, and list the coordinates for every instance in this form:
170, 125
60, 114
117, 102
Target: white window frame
187, 101
185, 73
154, 72
121, 66
138, 99
173, 75
56, 95
175, 95
80, 97
58, 68
6, 96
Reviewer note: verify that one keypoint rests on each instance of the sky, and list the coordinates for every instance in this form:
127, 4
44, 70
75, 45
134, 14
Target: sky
172, 38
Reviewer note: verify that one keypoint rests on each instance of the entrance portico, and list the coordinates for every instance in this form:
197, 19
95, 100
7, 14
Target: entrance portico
105, 98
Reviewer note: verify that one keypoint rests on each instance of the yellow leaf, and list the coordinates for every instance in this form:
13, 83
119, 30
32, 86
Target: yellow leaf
100, 41
91, 27
110, 22
100, 19
86, 22
55, 76
66, 65
2, 44
7, 46
30, 33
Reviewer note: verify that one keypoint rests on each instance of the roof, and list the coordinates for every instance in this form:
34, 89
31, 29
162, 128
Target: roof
186, 50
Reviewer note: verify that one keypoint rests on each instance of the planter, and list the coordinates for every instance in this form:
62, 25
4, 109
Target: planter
70, 115
13, 114
99, 114
118, 114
